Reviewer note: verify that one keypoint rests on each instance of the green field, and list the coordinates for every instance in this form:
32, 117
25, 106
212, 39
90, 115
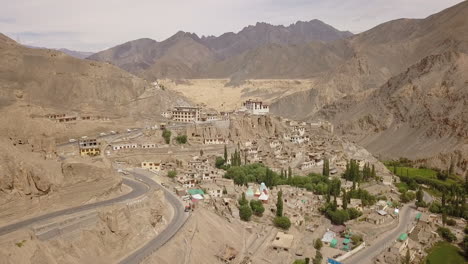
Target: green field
423, 172
444, 252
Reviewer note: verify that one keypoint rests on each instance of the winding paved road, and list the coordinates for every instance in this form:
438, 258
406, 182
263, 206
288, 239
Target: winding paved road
407, 214
176, 223
138, 189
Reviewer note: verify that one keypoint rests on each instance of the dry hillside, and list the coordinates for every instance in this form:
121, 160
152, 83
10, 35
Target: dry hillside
50, 78
232, 55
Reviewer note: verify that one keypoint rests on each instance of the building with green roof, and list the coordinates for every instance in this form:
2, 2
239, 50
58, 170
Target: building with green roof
333, 243
403, 237
418, 216
196, 191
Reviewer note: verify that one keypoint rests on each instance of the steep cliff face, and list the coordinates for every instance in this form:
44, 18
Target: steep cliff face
419, 113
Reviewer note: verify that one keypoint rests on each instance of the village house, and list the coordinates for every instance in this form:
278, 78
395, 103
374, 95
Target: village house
186, 114
167, 114
148, 145
151, 166
186, 182
214, 141
89, 147
66, 119
256, 107
378, 218
299, 130
124, 146
55, 116
275, 144
212, 189
282, 241
306, 165
353, 203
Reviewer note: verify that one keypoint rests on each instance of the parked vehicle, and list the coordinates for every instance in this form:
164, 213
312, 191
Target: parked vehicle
71, 140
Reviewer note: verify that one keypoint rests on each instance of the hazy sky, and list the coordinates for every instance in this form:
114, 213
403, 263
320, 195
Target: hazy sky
93, 25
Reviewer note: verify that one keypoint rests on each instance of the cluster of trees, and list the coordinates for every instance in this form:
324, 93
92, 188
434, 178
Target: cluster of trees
245, 212
340, 216
246, 209
181, 139
354, 174
365, 197
453, 204
446, 234
166, 134
408, 196
258, 173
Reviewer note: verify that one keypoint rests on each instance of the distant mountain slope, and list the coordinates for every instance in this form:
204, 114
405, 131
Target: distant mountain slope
53, 79
402, 94
418, 113
381, 53
77, 54
252, 37
185, 55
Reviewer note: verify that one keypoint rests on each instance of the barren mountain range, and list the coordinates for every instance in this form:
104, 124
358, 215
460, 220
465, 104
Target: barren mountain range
404, 91
350, 75
50, 78
185, 55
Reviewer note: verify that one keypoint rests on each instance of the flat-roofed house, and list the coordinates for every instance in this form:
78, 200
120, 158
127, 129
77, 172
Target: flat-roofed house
186, 114
151, 165
256, 107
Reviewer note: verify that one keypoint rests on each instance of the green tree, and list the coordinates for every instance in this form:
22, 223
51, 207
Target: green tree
172, 174
279, 204
282, 222
318, 244
257, 207
326, 168
345, 200
307, 260
318, 258
181, 139
245, 212
219, 162
166, 134
289, 172
201, 152
464, 246
243, 200
357, 239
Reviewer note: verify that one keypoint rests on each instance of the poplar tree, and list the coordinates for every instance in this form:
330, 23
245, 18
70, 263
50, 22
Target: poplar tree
279, 204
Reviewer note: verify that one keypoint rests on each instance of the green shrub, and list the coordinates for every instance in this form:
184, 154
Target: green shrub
181, 139
257, 207
219, 162
451, 222
167, 136
172, 174
446, 234
318, 244
245, 212
282, 222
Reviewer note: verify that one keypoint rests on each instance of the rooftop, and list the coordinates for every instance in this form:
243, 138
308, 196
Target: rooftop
283, 240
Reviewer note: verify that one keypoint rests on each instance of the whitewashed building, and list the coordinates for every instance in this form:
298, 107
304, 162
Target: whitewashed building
124, 146
256, 107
